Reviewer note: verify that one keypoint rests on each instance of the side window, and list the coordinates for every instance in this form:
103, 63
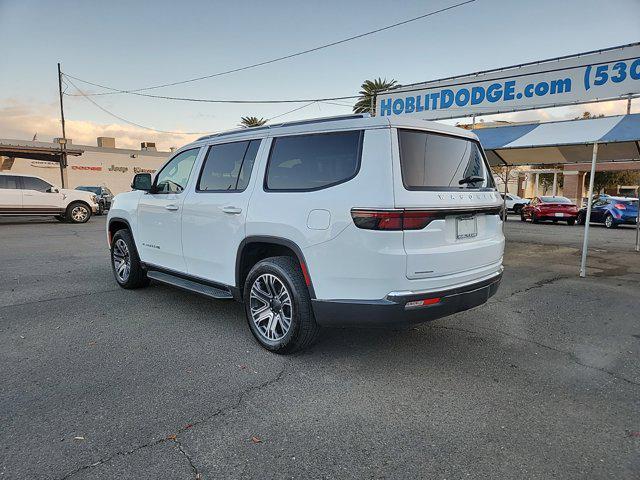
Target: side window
311, 162
174, 175
32, 183
228, 166
9, 182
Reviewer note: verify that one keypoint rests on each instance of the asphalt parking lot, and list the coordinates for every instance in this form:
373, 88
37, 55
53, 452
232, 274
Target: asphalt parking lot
99, 382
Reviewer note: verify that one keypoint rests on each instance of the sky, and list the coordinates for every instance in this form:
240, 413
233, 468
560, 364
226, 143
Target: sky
134, 44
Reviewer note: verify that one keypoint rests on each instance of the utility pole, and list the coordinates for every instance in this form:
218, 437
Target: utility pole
63, 142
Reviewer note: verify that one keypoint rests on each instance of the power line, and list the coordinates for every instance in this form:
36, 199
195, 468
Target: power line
129, 121
267, 62
83, 94
209, 100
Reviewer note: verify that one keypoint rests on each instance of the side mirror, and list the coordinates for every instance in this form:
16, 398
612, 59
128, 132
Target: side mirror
53, 189
141, 181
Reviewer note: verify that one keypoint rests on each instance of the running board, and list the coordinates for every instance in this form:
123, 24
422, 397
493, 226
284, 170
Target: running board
190, 285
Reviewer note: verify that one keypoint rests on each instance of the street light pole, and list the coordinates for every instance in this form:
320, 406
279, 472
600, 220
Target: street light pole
63, 143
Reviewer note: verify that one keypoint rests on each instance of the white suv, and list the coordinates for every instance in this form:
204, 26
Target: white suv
29, 195
335, 221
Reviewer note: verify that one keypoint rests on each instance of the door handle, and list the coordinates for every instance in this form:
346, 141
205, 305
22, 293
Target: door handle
231, 210
171, 207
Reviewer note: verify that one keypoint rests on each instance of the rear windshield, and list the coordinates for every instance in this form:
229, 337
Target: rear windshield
555, 200
430, 161
626, 201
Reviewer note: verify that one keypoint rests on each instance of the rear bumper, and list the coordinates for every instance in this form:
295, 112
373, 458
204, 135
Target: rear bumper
564, 218
393, 310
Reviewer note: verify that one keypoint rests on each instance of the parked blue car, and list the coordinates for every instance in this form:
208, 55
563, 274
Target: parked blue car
612, 211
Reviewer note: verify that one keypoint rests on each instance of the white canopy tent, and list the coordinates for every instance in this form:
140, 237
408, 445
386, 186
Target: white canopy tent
596, 140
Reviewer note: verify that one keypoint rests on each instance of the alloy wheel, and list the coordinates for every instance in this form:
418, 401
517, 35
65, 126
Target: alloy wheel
271, 307
79, 213
608, 222
121, 260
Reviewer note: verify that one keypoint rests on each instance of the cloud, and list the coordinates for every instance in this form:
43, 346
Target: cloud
21, 121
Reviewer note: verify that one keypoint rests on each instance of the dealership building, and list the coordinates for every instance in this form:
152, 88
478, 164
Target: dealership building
103, 164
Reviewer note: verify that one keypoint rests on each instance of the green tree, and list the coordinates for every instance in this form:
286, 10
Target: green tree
546, 181
248, 122
612, 179
368, 91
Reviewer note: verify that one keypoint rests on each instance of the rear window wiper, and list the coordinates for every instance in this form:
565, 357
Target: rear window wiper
471, 179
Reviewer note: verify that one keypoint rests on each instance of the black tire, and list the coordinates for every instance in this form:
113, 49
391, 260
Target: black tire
137, 277
571, 222
609, 222
580, 219
534, 219
100, 209
303, 329
517, 209
522, 219
72, 214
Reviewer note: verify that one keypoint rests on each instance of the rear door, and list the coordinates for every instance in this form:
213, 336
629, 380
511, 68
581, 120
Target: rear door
215, 212
447, 179
10, 194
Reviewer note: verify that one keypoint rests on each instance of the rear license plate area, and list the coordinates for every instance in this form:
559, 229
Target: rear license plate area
466, 227
559, 214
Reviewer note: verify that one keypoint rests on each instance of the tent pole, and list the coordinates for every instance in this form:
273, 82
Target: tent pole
587, 220
504, 200
638, 228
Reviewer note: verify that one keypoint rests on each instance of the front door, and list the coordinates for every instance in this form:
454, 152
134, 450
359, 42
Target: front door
215, 212
38, 197
159, 240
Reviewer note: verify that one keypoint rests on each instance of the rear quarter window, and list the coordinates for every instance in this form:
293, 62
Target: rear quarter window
433, 161
313, 162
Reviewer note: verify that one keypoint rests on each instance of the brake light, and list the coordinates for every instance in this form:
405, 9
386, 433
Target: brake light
392, 219
620, 206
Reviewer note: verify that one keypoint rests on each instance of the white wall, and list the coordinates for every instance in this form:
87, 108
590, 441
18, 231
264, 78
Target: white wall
113, 168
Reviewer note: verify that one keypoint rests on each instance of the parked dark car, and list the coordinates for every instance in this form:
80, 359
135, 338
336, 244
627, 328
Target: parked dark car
104, 195
550, 208
612, 211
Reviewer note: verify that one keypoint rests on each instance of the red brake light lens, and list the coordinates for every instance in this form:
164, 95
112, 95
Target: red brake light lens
392, 219
620, 206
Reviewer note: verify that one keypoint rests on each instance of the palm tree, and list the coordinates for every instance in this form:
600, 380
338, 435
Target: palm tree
248, 122
369, 89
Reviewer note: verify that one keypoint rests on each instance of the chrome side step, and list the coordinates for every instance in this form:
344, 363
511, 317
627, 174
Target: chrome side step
190, 285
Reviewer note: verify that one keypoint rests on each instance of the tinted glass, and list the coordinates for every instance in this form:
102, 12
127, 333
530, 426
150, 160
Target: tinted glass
555, 200
247, 165
228, 166
9, 182
95, 190
624, 202
308, 162
32, 183
174, 176
434, 161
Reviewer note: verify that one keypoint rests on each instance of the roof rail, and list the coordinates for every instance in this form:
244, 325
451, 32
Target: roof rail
287, 124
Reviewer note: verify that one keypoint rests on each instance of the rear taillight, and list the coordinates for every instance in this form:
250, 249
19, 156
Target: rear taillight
392, 219
620, 206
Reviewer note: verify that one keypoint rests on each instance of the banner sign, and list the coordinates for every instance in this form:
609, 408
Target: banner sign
609, 74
